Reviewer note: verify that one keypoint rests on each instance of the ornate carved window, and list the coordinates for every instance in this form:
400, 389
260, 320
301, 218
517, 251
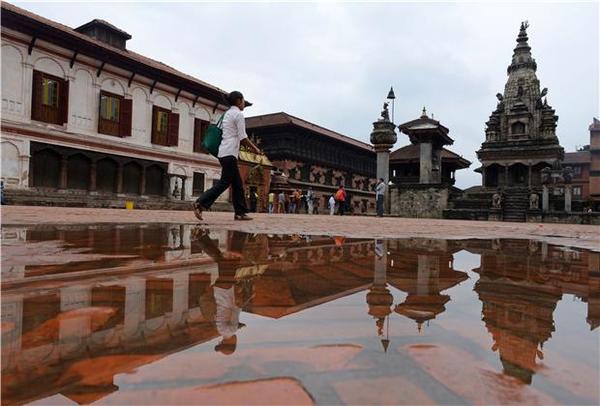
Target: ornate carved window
518, 128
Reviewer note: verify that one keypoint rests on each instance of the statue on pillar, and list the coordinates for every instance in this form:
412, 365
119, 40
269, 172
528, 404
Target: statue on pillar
385, 114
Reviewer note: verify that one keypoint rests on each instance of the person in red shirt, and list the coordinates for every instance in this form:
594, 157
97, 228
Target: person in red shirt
340, 198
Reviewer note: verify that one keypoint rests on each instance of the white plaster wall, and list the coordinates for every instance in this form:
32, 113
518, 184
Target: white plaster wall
142, 110
82, 101
15, 161
12, 81
49, 65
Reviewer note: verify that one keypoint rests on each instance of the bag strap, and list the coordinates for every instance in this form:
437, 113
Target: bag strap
220, 122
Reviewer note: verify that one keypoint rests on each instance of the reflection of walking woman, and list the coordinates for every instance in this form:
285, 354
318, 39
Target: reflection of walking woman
234, 133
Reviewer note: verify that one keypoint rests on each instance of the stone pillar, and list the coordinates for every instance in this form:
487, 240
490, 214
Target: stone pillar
120, 179
183, 182
483, 176
63, 173
568, 197
545, 199
383, 165
506, 176
383, 138
425, 163
529, 175
143, 182
93, 170
436, 171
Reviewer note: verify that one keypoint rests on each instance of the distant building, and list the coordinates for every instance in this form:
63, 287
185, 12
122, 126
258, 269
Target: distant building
579, 162
585, 165
595, 163
312, 156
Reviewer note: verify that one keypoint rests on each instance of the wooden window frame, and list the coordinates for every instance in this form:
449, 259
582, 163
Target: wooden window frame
58, 115
106, 126
171, 137
200, 127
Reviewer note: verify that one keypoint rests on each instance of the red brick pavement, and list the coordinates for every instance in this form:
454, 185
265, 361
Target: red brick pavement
584, 236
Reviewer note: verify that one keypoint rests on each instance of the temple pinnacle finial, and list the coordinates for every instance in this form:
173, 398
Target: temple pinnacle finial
522, 53
424, 113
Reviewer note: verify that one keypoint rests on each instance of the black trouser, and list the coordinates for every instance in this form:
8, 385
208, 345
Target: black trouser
230, 175
341, 207
379, 199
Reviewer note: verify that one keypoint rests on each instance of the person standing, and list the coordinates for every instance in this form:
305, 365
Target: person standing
297, 200
271, 202
340, 197
380, 196
281, 204
309, 200
234, 134
331, 205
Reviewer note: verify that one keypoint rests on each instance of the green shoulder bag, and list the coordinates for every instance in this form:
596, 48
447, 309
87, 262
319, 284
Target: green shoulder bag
213, 137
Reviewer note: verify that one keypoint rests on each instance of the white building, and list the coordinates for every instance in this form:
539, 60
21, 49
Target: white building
85, 119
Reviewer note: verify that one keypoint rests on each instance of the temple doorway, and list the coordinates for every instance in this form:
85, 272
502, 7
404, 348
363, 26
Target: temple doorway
518, 175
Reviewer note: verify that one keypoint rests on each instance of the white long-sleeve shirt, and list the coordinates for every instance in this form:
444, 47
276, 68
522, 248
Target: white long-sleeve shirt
380, 189
234, 131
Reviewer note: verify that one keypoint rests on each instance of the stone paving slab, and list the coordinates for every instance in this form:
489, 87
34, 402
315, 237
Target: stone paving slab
582, 236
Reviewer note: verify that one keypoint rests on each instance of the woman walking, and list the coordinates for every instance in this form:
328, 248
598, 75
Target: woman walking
234, 134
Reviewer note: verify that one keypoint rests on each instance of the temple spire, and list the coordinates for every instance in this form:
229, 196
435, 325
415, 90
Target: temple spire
522, 53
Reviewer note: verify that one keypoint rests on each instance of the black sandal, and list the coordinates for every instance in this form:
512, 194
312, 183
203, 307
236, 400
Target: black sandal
242, 217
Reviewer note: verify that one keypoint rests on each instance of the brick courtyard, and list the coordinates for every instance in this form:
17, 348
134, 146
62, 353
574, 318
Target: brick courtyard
582, 236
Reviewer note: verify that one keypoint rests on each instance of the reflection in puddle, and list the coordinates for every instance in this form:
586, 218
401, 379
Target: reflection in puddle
177, 314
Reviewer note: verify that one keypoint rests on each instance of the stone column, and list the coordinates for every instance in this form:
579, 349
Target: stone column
529, 175
93, 170
545, 199
183, 182
383, 138
436, 174
63, 173
143, 181
425, 163
568, 197
506, 176
120, 179
483, 176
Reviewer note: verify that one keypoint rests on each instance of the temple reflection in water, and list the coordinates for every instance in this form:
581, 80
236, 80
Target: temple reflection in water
88, 303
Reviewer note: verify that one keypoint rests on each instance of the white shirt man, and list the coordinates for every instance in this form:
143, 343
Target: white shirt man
332, 205
234, 131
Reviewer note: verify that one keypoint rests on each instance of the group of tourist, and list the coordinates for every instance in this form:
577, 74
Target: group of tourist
233, 127
293, 202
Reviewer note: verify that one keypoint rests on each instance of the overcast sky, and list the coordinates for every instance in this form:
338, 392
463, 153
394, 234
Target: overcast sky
332, 63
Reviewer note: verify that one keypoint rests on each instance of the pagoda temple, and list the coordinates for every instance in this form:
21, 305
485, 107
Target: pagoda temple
520, 136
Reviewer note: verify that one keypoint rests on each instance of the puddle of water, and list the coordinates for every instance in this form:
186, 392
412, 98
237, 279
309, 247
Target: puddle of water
177, 314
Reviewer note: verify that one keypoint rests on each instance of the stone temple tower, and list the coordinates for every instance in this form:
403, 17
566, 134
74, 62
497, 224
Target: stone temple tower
520, 136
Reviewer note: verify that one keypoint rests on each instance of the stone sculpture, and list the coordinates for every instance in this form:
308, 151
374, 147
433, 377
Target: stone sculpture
497, 200
534, 201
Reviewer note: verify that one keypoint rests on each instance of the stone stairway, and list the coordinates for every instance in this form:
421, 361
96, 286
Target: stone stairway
516, 202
